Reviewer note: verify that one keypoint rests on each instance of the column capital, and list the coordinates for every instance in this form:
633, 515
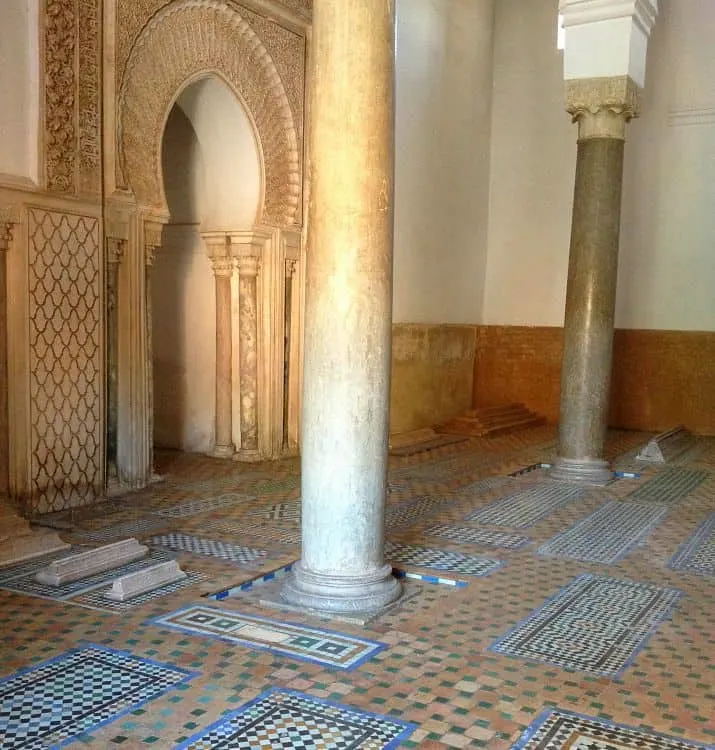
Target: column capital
152, 241
9, 216
248, 265
290, 268
602, 106
221, 265
115, 250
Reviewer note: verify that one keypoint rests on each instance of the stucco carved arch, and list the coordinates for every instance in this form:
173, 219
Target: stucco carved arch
186, 39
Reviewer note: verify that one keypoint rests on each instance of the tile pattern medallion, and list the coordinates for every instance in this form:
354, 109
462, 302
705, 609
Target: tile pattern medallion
197, 545
140, 527
439, 559
324, 647
528, 506
205, 505
77, 692
593, 624
669, 486
26, 584
562, 730
473, 535
697, 554
407, 513
289, 720
608, 534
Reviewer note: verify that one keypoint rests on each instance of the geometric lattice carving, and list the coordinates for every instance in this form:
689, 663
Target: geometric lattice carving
65, 349
182, 41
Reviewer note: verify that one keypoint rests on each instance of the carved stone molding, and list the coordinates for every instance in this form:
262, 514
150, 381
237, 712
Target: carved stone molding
172, 51
602, 106
71, 47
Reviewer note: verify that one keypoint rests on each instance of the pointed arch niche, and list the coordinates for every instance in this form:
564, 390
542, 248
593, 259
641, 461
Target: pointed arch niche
210, 181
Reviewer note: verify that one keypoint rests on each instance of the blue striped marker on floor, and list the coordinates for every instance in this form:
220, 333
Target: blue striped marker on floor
456, 582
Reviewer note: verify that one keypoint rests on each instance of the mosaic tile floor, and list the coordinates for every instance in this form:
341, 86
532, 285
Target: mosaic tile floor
287, 639
593, 625
287, 719
435, 671
608, 534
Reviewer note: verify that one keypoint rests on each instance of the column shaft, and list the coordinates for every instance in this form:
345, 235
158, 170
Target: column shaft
223, 447
248, 356
591, 297
114, 254
348, 311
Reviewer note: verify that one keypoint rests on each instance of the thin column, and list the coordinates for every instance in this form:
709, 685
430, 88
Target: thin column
115, 250
287, 331
601, 107
223, 270
248, 267
348, 311
151, 245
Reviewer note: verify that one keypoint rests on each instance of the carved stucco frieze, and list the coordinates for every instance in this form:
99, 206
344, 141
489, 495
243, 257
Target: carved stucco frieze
72, 90
602, 106
170, 52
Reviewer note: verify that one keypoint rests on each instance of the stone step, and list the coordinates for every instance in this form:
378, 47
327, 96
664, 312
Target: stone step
148, 579
492, 420
86, 564
412, 437
26, 546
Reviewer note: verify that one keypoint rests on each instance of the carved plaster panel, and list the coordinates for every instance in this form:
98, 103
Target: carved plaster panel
171, 51
72, 92
65, 360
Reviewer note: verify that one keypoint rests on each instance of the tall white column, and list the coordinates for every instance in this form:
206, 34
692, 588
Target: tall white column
348, 311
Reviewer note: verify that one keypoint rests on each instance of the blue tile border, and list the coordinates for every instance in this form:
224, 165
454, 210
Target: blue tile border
546, 714
83, 645
667, 615
682, 560
455, 582
378, 646
242, 588
409, 727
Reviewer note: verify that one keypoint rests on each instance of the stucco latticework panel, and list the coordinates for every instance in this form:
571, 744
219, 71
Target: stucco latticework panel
72, 96
65, 350
180, 42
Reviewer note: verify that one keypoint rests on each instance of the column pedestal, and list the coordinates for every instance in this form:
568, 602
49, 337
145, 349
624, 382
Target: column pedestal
602, 110
348, 324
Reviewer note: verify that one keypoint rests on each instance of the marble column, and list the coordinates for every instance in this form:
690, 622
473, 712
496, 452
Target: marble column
601, 107
6, 232
287, 331
248, 268
152, 243
115, 250
223, 270
348, 312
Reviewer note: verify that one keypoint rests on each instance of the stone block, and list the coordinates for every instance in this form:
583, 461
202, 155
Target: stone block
148, 579
85, 564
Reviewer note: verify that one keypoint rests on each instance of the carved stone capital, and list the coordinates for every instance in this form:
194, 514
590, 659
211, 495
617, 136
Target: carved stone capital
115, 250
9, 216
222, 266
602, 106
152, 241
290, 268
248, 265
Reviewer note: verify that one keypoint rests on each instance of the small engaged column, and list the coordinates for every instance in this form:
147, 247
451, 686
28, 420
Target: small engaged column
348, 312
115, 251
601, 107
248, 268
223, 270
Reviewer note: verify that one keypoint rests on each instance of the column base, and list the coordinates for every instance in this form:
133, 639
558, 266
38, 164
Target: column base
581, 470
247, 455
370, 592
223, 451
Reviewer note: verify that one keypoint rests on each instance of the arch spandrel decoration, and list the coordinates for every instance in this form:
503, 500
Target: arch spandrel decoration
180, 42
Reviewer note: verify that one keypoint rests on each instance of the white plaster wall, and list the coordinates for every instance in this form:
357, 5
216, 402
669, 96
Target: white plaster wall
443, 119
212, 180
667, 263
533, 152
19, 89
